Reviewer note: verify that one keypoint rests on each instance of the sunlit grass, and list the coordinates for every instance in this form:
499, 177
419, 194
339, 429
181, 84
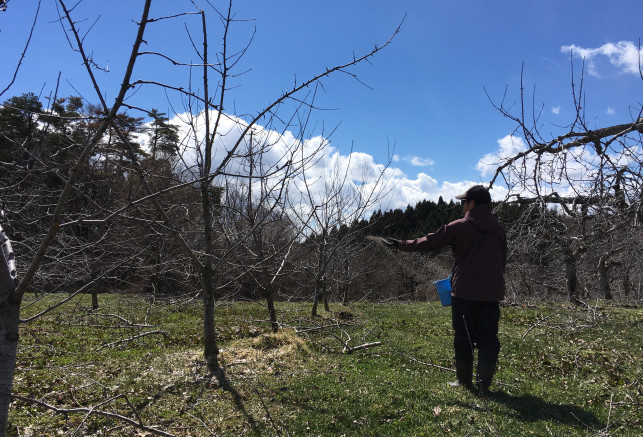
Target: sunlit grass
563, 371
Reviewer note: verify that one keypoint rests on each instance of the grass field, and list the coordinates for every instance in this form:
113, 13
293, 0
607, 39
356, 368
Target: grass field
563, 371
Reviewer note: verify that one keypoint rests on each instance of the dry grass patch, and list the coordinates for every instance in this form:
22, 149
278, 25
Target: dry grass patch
263, 354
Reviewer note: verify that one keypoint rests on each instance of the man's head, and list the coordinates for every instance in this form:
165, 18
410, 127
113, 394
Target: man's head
474, 196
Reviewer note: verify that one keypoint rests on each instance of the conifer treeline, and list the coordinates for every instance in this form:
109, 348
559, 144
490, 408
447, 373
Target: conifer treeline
427, 216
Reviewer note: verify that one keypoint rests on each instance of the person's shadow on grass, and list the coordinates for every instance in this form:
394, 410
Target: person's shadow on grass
531, 409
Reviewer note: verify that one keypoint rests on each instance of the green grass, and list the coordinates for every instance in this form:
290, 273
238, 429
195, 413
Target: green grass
563, 371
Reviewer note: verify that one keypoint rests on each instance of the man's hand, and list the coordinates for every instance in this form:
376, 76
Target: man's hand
391, 242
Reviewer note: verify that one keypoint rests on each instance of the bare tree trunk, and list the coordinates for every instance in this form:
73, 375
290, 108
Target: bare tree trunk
320, 294
320, 282
94, 299
572, 277
627, 284
325, 294
210, 348
270, 301
9, 318
270, 298
313, 312
603, 276
638, 264
344, 289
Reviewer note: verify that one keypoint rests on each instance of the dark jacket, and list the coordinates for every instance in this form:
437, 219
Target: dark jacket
479, 245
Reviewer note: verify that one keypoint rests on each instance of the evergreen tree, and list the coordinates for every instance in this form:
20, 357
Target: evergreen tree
164, 136
18, 127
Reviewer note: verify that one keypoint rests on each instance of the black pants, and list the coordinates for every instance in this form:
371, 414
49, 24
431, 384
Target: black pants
476, 326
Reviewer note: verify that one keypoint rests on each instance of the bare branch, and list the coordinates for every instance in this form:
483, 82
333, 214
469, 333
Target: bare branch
351, 349
89, 411
134, 337
24, 51
55, 218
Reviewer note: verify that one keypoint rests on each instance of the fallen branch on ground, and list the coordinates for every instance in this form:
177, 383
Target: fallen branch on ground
415, 360
535, 324
348, 349
163, 333
92, 410
122, 319
319, 328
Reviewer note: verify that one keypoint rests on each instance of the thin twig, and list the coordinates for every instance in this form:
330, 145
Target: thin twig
319, 328
535, 324
24, 52
122, 319
415, 360
265, 407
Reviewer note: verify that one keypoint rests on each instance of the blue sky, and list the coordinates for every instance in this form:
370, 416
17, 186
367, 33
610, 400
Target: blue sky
426, 91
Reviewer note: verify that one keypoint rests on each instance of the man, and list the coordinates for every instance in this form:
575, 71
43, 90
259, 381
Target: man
479, 245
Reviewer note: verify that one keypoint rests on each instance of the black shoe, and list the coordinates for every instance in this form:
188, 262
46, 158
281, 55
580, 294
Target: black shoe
456, 384
464, 372
486, 369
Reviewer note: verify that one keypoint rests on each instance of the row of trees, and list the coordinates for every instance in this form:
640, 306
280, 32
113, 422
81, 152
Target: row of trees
267, 247
265, 244
90, 206
96, 199
425, 217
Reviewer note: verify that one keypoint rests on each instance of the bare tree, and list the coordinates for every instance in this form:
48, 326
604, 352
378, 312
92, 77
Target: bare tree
256, 227
586, 184
11, 294
332, 203
214, 130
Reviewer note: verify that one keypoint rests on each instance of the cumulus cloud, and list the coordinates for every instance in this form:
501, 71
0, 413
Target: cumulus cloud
508, 146
624, 55
610, 111
323, 164
555, 110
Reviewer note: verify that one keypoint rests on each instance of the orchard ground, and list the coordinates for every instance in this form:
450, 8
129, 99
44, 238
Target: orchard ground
563, 370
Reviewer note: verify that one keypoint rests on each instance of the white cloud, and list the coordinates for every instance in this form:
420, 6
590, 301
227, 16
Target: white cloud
624, 55
568, 173
417, 161
555, 110
363, 171
610, 111
508, 146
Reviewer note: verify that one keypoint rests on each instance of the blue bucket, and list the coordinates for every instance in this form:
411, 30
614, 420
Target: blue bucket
444, 291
